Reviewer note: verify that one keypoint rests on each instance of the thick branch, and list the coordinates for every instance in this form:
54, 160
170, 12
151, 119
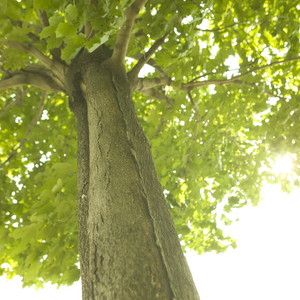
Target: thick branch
123, 37
29, 129
158, 95
36, 79
192, 84
54, 66
151, 62
145, 58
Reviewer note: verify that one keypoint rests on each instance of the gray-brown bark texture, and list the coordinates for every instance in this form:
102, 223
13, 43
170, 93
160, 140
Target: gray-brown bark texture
128, 245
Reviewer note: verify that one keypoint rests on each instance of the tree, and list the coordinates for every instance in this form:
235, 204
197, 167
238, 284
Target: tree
218, 101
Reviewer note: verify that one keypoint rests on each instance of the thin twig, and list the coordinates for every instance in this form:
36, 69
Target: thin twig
29, 129
192, 84
195, 135
18, 99
170, 104
70, 138
234, 142
226, 27
159, 127
253, 85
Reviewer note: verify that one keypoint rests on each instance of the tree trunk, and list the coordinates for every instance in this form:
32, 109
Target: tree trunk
128, 245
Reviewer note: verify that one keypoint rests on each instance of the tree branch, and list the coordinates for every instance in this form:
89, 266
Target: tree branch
31, 77
44, 20
145, 58
270, 94
19, 23
160, 125
235, 143
123, 37
43, 17
152, 63
192, 84
228, 26
29, 129
56, 67
148, 83
158, 95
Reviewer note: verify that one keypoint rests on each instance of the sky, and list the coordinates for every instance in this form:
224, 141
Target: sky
265, 265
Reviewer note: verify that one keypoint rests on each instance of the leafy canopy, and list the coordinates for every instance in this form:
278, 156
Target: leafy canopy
219, 102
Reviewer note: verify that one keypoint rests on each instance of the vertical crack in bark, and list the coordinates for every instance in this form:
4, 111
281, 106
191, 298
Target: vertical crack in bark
119, 93
104, 155
83, 187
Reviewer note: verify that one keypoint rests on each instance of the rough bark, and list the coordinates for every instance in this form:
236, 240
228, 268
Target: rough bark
128, 244
78, 105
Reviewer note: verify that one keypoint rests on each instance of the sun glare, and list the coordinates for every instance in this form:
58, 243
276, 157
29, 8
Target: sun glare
283, 164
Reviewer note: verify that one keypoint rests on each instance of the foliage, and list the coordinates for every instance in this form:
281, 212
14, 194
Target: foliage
230, 108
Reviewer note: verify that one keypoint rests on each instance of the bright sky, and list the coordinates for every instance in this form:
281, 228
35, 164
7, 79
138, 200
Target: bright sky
265, 265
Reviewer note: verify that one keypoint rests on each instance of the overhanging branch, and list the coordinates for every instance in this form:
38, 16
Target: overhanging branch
56, 67
142, 84
123, 37
30, 77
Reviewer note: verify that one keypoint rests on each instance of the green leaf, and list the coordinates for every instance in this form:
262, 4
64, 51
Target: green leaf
71, 13
47, 31
54, 42
47, 4
57, 186
42, 4
3, 6
73, 47
65, 30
